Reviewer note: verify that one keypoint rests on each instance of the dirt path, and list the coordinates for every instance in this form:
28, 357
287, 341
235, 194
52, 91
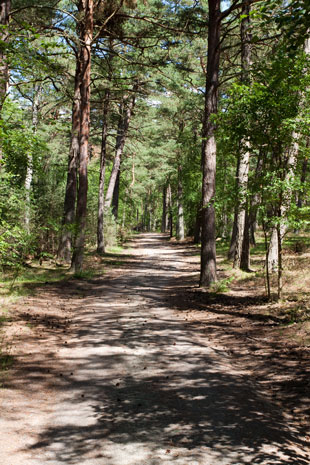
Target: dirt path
116, 376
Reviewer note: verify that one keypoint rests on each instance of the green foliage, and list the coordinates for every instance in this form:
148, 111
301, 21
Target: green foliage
221, 285
15, 246
165, 131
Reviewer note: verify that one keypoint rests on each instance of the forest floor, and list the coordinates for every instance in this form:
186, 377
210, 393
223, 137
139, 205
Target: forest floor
139, 366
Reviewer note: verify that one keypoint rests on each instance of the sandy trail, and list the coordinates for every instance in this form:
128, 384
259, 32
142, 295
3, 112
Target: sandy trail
130, 381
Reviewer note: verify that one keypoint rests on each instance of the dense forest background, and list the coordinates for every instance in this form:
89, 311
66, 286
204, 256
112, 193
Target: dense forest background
184, 116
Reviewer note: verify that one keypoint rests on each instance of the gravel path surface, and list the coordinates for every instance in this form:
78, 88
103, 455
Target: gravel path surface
131, 382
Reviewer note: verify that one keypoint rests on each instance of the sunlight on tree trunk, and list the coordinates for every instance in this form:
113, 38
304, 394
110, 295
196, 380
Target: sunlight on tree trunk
180, 213
29, 169
65, 242
208, 251
86, 7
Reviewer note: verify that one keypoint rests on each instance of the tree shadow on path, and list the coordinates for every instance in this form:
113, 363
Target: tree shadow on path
141, 386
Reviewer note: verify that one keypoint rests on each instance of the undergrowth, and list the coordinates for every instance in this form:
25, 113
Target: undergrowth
294, 307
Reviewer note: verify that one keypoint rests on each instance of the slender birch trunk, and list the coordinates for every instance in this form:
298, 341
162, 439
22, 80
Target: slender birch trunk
169, 209
29, 169
180, 213
5, 9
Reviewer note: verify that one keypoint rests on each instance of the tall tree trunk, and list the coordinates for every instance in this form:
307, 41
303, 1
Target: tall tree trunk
164, 220
208, 251
244, 157
254, 203
5, 9
233, 240
169, 208
86, 7
65, 241
100, 224
180, 217
243, 175
126, 109
273, 251
115, 198
29, 170
245, 252
280, 267
145, 215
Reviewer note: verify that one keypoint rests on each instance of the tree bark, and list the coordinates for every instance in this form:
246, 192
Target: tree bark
244, 157
5, 9
65, 241
86, 35
208, 250
126, 109
164, 220
169, 208
232, 247
29, 170
115, 198
280, 267
100, 224
180, 217
243, 175
245, 252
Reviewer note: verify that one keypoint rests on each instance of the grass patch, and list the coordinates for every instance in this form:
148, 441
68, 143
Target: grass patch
116, 249
296, 276
85, 274
222, 247
14, 286
296, 244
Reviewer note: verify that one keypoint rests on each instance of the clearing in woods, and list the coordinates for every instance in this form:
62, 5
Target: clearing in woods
139, 368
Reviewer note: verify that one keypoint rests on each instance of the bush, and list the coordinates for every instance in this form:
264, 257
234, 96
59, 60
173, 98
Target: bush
15, 245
